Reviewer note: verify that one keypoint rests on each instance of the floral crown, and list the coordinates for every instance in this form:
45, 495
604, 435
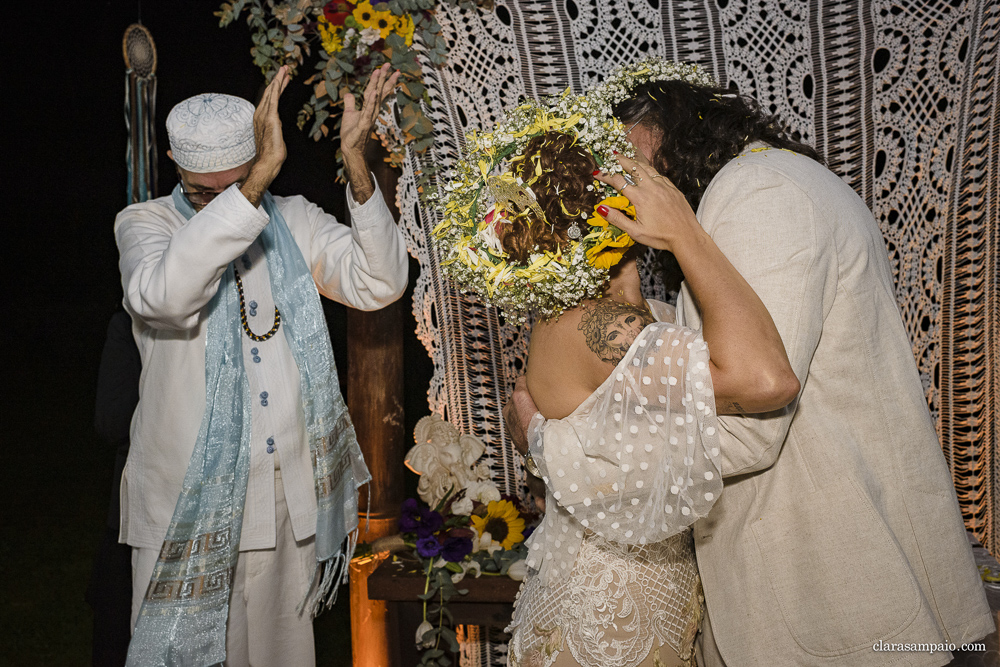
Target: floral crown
484, 193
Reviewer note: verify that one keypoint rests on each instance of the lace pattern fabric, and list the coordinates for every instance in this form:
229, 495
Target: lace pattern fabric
620, 605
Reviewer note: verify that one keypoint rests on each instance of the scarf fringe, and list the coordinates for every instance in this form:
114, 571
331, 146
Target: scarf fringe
328, 577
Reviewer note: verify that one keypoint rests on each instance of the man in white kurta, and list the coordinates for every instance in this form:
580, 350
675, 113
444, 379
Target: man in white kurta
171, 268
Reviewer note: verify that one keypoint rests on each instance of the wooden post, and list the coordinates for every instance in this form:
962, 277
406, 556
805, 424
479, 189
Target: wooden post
375, 400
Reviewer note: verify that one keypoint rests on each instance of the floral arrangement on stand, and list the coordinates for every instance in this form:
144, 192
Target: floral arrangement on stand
482, 193
353, 40
460, 526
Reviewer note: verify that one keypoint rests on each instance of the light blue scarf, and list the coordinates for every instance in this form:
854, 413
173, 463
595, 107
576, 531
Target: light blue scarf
183, 616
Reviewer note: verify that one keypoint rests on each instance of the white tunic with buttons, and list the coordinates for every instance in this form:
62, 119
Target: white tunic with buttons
171, 268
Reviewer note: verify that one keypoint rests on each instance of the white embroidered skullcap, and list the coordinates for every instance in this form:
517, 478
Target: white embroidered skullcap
211, 132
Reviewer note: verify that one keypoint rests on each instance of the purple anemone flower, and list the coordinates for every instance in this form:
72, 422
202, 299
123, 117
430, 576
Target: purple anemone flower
430, 523
456, 549
410, 516
428, 547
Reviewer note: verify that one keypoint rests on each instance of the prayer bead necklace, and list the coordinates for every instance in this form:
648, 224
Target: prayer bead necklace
243, 314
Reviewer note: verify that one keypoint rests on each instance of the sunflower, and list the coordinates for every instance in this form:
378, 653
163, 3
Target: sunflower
384, 22
621, 202
329, 35
405, 28
502, 521
364, 14
609, 251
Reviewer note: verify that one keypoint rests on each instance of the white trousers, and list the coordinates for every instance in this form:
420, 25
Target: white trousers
264, 630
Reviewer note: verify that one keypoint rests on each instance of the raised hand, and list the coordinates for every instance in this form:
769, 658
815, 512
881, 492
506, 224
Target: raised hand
663, 215
356, 128
357, 124
269, 138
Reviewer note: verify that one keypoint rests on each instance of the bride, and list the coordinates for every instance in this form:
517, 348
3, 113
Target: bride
625, 437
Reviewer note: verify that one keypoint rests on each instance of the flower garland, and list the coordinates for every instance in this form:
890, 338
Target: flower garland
354, 39
626, 78
550, 281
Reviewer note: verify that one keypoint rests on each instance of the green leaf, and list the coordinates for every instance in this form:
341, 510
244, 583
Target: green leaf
423, 144
415, 91
332, 91
395, 41
423, 125
406, 124
410, 68
321, 116
449, 636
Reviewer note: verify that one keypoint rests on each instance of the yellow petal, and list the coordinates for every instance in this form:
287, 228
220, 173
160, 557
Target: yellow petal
597, 221
606, 259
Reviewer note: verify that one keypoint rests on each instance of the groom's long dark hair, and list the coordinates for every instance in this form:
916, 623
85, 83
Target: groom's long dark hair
702, 129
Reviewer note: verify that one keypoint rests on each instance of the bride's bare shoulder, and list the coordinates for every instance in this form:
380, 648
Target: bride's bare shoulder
605, 327
609, 327
573, 354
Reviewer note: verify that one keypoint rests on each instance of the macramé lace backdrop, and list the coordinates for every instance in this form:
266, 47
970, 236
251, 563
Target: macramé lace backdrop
899, 97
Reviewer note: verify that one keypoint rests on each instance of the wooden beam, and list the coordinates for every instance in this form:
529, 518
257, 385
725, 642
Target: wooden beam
375, 401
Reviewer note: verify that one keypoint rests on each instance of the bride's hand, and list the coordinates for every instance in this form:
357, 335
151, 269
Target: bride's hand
663, 215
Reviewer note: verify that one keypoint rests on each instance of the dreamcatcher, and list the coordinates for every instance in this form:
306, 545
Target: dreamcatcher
139, 51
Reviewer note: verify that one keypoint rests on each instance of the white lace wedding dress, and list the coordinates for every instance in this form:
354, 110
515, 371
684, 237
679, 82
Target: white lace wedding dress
612, 577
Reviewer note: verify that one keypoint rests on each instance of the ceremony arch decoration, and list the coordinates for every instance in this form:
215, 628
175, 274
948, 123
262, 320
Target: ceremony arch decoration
898, 96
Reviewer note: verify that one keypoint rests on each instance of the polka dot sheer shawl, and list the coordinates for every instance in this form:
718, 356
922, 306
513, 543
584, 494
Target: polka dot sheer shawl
635, 463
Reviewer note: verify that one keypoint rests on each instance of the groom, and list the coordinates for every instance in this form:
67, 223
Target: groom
839, 531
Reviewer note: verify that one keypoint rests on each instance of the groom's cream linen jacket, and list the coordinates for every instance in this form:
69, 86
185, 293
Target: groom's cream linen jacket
838, 526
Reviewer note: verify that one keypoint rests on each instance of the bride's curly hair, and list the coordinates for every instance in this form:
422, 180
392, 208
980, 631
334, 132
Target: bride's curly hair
702, 129
561, 191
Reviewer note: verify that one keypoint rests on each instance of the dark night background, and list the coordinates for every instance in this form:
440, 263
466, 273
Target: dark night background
64, 180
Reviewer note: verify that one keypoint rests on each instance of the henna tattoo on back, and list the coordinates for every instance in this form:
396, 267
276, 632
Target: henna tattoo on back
610, 327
